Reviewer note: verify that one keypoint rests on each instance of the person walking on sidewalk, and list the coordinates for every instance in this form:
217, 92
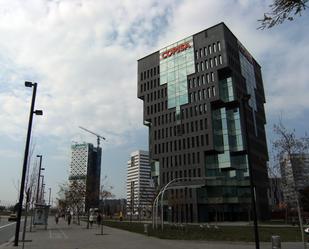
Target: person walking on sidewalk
91, 218
56, 218
69, 218
99, 219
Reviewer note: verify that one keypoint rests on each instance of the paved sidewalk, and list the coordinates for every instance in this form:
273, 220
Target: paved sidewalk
62, 236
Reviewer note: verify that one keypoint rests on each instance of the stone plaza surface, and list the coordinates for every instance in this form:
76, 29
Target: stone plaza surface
62, 236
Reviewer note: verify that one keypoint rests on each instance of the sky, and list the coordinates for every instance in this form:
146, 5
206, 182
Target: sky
83, 55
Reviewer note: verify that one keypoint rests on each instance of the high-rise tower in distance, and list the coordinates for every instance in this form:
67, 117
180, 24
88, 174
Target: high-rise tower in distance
85, 170
193, 94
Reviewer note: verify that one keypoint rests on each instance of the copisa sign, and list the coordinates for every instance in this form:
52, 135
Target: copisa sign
177, 49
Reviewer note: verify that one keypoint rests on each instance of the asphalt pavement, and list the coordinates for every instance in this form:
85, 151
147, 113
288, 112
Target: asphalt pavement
78, 237
7, 230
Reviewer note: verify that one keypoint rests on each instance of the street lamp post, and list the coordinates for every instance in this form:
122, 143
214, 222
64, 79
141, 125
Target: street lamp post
38, 187
49, 196
42, 191
24, 169
245, 100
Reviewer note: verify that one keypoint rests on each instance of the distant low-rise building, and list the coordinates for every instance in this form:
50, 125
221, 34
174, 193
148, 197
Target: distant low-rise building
115, 207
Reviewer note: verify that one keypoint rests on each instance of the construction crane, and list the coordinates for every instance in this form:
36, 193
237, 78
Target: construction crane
97, 135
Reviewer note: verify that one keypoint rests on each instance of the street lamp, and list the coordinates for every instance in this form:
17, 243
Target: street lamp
24, 169
42, 190
244, 101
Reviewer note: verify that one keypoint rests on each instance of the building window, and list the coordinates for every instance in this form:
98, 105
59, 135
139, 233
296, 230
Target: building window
206, 64
216, 61
212, 77
203, 79
201, 109
211, 64
219, 46
214, 47
220, 59
209, 49
201, 52
205, 51
204, 94
213, 91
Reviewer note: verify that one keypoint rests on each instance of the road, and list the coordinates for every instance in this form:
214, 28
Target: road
7, 230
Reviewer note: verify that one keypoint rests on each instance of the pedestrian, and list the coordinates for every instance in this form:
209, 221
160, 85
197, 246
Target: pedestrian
69, 218
57, 218
91, 218
99, 219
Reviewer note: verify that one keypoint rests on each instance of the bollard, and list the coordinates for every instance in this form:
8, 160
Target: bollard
146, 228
275, 242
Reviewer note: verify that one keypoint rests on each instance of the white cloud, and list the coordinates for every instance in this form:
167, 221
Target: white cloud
84, 58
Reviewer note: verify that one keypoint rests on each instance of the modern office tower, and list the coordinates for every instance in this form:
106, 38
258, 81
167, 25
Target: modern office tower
140, 190
295, 176
85, 169
194, 95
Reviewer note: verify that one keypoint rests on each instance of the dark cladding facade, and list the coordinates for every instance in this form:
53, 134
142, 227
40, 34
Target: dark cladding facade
192, 92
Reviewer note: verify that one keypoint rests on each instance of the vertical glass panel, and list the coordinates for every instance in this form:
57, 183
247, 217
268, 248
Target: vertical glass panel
177, 61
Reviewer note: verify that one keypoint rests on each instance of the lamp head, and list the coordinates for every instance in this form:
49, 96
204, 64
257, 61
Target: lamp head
38, 112
28, 84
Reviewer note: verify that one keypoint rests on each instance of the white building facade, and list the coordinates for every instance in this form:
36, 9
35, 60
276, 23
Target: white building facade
140, 189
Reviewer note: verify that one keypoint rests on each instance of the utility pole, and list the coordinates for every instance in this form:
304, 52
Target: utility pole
24, 169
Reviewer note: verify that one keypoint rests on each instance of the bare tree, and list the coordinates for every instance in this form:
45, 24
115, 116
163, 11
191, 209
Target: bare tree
286, 147
281, 10
72, 197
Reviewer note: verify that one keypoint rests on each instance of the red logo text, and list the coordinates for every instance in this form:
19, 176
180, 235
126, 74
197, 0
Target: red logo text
174, 50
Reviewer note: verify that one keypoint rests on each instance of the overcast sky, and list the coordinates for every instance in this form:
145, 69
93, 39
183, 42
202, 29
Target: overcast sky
83, 54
